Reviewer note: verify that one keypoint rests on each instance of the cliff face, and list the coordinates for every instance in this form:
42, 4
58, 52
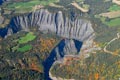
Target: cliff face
67, 47
74, 31
45, 21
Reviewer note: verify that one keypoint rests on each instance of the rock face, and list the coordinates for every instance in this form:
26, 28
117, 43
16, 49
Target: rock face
67, 47
74, 31
45, 21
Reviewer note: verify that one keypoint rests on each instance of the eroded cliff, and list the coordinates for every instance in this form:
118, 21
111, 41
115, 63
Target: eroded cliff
43, 20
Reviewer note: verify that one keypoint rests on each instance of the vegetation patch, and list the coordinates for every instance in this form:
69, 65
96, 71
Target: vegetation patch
24, 48
28, 66
114, 8
113, 22
109, 22
29, 37
23, 40
114, 46
28, 5
100, 66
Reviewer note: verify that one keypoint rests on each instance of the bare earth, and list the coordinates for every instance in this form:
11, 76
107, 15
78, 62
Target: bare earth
113, 14
78, 7
116, 1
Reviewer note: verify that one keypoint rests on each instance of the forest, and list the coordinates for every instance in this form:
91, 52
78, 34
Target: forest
24, 62
100, 66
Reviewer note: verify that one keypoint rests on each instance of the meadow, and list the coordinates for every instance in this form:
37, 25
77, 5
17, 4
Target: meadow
114, 22
114, 8
29, 37
24, 48
23, 41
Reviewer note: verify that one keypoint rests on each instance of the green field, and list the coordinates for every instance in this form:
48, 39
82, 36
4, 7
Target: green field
108, 21
23, 40
114, 8
21, 6
113, 22
24, 48
29, 37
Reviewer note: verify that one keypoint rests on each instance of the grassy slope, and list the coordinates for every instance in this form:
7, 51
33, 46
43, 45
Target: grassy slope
111, 23
114, 8
114, 22
27, 38
24, 48
24, 40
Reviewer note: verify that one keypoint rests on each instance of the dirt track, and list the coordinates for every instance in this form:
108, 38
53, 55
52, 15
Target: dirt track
116, 1
110, 52
78, 7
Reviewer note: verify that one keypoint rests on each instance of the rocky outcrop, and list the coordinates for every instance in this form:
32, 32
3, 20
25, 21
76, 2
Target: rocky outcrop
74, 31
57, 23
67, 47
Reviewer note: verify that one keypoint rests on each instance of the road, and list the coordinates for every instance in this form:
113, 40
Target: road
105, 48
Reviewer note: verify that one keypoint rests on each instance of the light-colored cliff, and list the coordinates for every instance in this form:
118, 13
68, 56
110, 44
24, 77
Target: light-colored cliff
45, 21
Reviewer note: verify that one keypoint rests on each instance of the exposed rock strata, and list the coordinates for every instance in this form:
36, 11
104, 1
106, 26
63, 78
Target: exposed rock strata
45, 21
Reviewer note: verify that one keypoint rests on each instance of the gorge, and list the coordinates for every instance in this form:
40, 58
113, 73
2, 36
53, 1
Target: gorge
73, 31
59, 40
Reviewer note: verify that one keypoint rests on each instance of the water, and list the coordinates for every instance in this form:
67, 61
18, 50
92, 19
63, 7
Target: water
78, 45
51, 59
3, 32
1, 2
48, 63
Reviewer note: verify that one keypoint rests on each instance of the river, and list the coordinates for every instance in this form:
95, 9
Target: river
1, 2
51, 59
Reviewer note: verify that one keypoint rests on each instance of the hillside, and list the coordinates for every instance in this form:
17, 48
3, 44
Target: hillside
59, 40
